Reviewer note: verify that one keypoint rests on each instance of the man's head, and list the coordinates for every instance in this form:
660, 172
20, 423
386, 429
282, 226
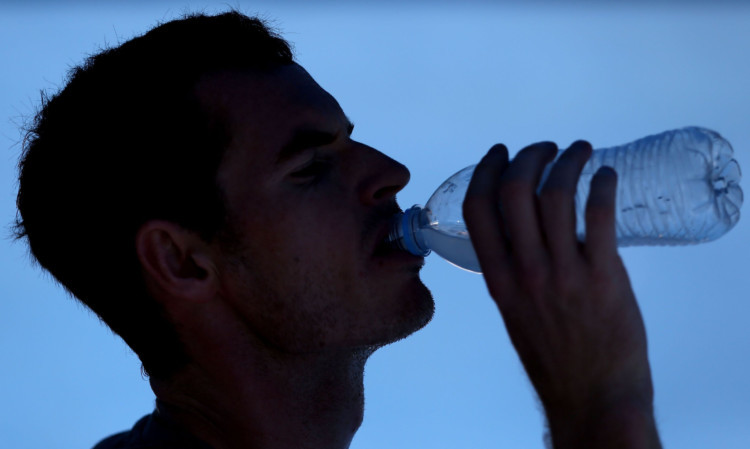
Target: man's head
174, 130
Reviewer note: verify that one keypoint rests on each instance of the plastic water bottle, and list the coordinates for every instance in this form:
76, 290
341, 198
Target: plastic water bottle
675, 188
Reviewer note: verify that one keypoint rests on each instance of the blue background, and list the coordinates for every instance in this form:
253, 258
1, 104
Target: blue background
433, 85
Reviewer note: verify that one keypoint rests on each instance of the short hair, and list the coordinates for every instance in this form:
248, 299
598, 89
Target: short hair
126, 140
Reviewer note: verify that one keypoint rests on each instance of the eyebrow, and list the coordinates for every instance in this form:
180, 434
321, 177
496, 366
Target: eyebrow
305, 138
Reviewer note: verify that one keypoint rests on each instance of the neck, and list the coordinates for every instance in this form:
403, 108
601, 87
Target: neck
252, 401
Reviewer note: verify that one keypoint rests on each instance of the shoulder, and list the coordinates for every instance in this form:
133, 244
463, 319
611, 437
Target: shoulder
128, 439
151, 432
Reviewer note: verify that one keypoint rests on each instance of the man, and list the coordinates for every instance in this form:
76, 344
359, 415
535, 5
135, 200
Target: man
200, 192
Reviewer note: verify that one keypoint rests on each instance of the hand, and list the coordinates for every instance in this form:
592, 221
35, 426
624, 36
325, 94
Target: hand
567, 305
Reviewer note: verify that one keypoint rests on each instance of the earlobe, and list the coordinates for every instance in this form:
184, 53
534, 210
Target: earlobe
176, 263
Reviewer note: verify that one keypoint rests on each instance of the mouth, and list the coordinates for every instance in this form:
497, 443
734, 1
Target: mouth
381, 228
387, 247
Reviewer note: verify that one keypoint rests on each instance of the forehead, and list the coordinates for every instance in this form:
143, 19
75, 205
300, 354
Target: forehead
264, 109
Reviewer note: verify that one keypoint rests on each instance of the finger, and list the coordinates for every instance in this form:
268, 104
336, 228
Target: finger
601, 241
482, 214
557, 202
518, 202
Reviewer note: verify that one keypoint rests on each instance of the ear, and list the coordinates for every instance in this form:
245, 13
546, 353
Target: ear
176, 262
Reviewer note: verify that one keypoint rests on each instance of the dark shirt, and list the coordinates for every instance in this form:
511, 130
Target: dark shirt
154, 431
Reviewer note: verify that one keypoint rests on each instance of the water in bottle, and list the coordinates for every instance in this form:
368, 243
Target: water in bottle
675, 188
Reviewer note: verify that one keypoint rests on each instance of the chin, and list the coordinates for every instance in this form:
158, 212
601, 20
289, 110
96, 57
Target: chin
417, 313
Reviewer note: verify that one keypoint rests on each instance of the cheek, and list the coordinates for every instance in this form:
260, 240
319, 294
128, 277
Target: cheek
315, 236
316, 249
321, 236
303, 303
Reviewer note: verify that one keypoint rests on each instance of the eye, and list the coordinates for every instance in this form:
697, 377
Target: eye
313, 170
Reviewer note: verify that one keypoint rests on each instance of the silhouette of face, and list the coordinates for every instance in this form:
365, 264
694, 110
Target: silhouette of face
309, 207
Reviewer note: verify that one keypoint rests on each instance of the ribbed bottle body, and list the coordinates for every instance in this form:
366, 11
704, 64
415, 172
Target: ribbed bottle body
675, 188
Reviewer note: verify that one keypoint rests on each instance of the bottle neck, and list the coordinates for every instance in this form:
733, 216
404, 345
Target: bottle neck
405, 231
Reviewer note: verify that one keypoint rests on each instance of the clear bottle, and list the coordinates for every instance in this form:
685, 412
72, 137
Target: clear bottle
675, 188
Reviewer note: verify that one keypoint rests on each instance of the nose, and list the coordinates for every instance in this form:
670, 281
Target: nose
384, 178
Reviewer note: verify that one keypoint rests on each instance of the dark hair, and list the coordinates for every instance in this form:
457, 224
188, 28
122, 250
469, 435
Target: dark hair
126, 141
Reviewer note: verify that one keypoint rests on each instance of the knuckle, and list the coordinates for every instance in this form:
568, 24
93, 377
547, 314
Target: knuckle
534, 278
565, 280
541, 280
